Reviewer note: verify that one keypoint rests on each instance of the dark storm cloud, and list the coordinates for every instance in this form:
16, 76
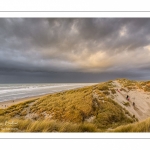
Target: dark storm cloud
54, 77
81, 46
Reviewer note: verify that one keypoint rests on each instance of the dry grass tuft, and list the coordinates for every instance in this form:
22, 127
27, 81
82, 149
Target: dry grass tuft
143, 126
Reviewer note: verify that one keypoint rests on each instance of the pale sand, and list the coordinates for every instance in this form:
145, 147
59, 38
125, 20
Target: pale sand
139, 97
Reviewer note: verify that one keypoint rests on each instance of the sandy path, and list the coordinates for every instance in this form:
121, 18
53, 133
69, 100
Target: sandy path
140, 98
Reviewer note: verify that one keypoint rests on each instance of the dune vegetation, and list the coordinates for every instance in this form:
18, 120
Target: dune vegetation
88, 109
131, 84
143, 126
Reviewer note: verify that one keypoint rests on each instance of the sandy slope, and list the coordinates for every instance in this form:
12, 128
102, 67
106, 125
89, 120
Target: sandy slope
139, 97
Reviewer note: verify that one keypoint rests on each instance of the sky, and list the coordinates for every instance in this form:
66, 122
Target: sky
54, 50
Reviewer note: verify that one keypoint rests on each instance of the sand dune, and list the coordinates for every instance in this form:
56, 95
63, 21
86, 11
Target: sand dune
141, 110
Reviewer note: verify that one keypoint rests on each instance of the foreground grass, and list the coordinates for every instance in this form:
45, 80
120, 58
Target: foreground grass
88, 109
19, 125
143, 126
56, 126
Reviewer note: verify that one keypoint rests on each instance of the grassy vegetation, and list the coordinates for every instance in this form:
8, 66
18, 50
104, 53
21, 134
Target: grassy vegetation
146, 86
122, 89
143, 126
72, 106
14, 110
21, 125
113, 91
68, 111
130, 84
110, 116
126, 104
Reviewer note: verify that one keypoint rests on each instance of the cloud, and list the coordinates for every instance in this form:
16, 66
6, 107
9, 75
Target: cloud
78, 45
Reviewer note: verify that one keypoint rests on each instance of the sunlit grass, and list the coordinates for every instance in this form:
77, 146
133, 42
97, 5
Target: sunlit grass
44, 126
132, 85
143, 126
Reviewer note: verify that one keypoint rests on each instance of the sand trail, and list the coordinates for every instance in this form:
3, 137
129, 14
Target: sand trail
141, 110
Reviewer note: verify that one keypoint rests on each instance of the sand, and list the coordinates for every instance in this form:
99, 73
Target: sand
141, 110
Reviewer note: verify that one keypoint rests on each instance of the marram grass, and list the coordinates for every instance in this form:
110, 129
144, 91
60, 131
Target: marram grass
143, 126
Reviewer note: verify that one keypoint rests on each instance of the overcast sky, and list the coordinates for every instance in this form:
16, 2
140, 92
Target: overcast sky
74, 50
